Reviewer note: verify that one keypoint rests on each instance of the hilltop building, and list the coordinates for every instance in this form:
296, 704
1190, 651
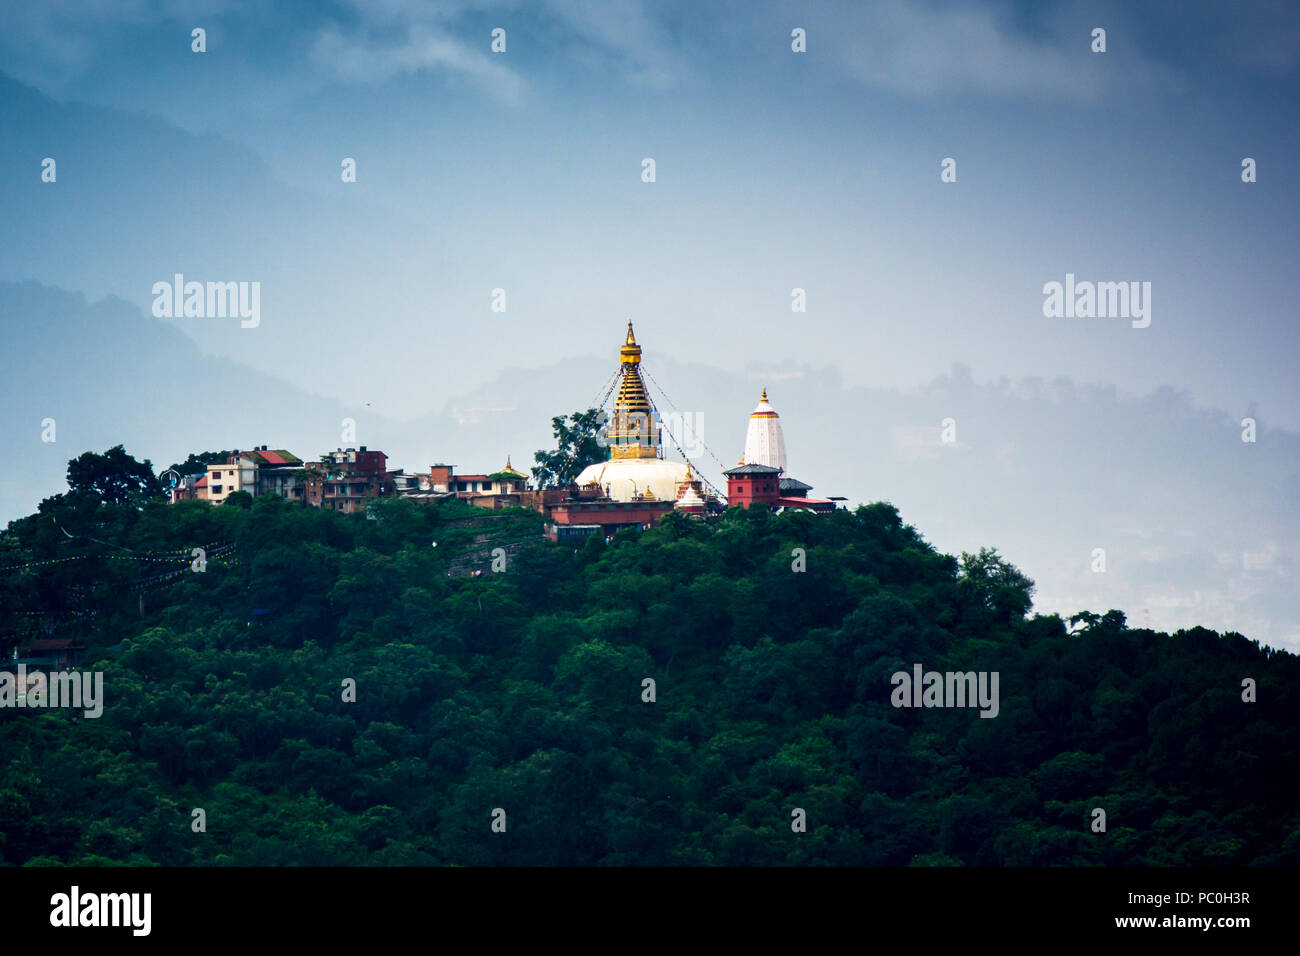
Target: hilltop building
501, 489
343, 479
507, 481
190, 487
633, 488
277, 473
759, 480
750, 485
260, 471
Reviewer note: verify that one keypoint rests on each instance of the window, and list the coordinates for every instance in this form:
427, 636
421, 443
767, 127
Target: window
740, 489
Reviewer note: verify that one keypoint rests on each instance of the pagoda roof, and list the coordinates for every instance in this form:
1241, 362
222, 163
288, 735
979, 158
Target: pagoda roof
752, 470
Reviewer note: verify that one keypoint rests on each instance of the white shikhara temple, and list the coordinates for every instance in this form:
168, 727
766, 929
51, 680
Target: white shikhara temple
765, 442
761, 479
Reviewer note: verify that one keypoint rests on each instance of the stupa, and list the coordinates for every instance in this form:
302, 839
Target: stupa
636, 469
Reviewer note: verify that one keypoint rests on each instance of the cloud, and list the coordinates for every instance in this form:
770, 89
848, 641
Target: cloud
59, 38
362, 57
627, 34
924, 49
390, 37
50, 43
918, 48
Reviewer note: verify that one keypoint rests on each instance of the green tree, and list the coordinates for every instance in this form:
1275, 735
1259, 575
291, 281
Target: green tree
578, 444
336, 691
239, 499
113, 477
195, 464
996, 583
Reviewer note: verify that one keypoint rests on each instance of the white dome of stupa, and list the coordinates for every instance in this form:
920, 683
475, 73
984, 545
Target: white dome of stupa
626, 478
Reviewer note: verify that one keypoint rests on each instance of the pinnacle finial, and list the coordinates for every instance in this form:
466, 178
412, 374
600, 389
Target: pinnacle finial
764, 398
630, 353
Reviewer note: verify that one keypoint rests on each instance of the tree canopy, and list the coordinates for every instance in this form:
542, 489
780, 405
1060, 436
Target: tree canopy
195, 464
578, 443
113, 477
525, 688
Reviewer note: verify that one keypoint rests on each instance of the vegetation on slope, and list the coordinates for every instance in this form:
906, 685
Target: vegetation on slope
522, 689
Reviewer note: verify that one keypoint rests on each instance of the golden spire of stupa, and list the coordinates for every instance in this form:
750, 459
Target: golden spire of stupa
630, 353
632, 432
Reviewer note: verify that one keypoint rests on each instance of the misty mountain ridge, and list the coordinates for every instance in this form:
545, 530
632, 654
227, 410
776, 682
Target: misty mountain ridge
1212, 539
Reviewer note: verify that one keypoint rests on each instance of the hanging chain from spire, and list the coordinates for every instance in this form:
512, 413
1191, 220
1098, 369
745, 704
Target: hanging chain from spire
661, 391
696, 468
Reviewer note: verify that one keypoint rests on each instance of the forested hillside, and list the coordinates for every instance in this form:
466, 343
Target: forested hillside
522, 689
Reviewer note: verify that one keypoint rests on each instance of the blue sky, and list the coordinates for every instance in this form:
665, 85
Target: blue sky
775, 170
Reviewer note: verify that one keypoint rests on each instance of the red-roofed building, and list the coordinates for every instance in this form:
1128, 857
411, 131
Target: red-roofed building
260, 471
